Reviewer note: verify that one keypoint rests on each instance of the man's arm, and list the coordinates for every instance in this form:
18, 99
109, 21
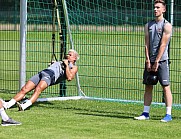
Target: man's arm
165, 38
148, 65
70, 73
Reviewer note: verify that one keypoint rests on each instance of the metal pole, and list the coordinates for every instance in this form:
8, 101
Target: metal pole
67, 22
71, 40
23, 22
171, 11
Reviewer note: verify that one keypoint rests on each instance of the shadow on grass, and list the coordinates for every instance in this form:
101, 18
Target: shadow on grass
107, 114
91, 109
124, 114
83, 111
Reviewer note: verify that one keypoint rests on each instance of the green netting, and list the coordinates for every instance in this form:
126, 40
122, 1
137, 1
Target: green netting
39, 41
9, 47
109, 37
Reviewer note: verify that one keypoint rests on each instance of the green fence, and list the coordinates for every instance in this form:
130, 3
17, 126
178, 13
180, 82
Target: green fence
109, 37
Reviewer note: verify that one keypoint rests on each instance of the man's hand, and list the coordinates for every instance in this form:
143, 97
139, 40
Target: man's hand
148, 66
65, 62
155, 67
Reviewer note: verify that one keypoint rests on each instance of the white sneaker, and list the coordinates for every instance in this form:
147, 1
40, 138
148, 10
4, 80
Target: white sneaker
143, 116
19, 106
10, 122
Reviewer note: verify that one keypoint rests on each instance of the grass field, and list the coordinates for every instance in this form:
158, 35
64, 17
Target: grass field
81, 119
110, 66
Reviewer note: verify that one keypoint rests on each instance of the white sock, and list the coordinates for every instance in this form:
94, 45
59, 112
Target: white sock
11, 103
4, 103
3, 114
146, 109
168, 110
26, 105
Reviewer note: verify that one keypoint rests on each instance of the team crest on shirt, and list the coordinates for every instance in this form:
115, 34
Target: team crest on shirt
159, 30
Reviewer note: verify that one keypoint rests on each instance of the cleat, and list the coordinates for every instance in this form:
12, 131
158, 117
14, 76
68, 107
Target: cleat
167, 118
19, 106
10, 122
143, 116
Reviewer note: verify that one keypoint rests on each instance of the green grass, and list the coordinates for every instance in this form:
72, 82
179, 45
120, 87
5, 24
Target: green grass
110, 66
110, 61
82, 119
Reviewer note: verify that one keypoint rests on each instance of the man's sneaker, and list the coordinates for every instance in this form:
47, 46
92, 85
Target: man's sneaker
24, 100
10, 122
19, 106
143, 116
167, 118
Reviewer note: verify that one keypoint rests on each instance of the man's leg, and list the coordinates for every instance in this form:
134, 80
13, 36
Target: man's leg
164, 81
168, 96
20, 95
168, 103
3, 114
39, 88
6, 121
147, 103
148, 95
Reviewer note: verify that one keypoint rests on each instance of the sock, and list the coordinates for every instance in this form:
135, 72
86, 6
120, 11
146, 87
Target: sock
26, 105
168, 110
4, 103
146, 109
11, 103
3, 114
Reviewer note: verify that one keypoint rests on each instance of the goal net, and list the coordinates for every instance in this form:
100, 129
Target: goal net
108, 35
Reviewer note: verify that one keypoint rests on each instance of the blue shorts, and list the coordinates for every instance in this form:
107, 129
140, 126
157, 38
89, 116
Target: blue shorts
163, 73
46, 75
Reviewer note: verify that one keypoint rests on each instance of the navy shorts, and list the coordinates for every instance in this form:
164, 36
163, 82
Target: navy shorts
46, 75
163, 73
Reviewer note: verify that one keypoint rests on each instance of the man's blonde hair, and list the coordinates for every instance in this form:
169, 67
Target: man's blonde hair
75, 52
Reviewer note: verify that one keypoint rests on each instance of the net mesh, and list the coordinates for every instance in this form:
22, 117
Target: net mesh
109, 36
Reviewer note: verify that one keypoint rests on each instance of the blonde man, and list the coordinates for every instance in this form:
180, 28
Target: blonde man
54, 74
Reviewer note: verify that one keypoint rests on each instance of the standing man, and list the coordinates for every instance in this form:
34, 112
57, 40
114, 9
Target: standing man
157, 38
57, 72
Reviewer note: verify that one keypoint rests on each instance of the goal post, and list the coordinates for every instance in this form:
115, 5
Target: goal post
23, 23
80, 93
108, 35
62, 37
47, 18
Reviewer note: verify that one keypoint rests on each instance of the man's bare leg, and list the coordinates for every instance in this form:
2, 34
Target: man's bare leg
20, 95
39, 88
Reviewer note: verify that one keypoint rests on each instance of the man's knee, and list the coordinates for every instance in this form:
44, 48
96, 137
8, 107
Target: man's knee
41, 86
24, 90
166, 89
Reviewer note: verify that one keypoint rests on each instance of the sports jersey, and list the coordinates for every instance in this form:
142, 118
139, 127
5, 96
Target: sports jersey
155, 35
